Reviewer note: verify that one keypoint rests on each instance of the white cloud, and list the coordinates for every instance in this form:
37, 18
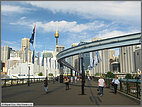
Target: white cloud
109, 34
10, 9
22, 18
124, 10
62, 26
13, 44
9, 42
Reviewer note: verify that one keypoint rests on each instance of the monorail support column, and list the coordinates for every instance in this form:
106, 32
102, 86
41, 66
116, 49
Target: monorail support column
71, 72
61, 73
83, 75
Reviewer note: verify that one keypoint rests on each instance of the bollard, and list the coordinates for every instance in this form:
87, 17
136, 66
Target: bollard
17, 81
5, 82
11, 82
22, 81
120, 85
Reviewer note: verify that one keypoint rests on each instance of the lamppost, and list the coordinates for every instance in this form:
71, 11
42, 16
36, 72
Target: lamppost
83, 73
29, 75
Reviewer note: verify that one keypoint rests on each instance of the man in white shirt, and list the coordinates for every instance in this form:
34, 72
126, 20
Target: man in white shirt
116, 82
101, 85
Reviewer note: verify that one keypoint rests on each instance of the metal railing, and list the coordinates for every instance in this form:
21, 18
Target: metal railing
131, 87
20, 81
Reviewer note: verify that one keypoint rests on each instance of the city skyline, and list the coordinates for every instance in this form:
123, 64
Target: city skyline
75, 21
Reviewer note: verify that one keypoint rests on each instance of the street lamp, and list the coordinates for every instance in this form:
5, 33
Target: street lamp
29, 75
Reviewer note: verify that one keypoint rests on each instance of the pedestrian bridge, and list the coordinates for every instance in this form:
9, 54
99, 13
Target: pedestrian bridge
57, 95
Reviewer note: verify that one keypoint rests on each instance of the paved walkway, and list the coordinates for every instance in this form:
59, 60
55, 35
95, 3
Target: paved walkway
59, 96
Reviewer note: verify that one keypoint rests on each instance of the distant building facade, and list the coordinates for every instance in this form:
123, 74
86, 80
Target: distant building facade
127, 59
5, 53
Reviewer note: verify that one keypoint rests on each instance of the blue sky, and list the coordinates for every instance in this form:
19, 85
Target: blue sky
75, 20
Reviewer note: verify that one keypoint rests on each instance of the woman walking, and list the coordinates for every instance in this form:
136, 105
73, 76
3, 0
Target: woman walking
46, 85
67, 83
101, 85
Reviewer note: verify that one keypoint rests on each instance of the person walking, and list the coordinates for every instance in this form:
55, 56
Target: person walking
88, 78
53, 79
46, 85
101, 85
75, 79
72, 79
67, 83
115, 82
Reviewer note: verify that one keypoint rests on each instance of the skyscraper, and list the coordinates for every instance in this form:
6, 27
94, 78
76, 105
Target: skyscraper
75, 59
112, 54
103, 66
127, 62
25, 53
59, 48
5, 53
25, 43
86, 57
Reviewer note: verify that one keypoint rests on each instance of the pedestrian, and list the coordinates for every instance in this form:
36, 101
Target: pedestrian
53, 79
101, 85
67, 83
115, 84
75, 79
71, 79
88, 78
46, 85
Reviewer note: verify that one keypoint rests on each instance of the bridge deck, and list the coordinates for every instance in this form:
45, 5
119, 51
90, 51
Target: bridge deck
59, 96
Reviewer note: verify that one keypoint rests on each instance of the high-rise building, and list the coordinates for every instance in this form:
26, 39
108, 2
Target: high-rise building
86, 57
75, 59
21, 55
127, 59
138, 59
103, 66
5, 53
25, 54
49, 62
59, 48
112, 54
13, 53
25, 43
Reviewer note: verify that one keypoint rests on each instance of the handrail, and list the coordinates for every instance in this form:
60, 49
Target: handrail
19, 81
127, 86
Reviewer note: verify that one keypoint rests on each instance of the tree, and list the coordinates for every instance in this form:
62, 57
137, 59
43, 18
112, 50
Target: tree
129, 76
87, 72
50, 74
110, 75
97, 74
40, 74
